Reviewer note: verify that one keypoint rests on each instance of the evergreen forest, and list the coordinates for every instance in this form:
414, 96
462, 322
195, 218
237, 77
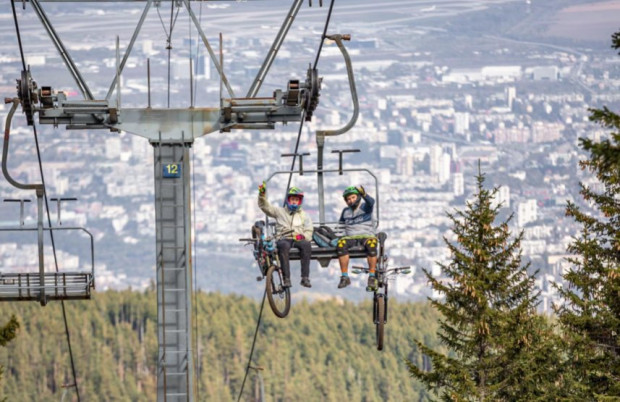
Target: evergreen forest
323, 351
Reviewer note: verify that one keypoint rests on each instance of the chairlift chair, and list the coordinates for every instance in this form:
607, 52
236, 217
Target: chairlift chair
325, 254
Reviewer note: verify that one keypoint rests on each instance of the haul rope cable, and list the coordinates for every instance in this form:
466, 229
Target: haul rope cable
260, 315
49, 221
303, 116
301, 124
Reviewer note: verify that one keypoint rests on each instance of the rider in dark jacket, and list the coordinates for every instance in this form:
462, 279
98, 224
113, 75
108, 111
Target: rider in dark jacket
358, 227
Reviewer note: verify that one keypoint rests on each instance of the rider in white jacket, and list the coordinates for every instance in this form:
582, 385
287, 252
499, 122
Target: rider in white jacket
294, 228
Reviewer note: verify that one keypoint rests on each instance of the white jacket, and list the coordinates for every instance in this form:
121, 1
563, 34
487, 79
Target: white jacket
299, 222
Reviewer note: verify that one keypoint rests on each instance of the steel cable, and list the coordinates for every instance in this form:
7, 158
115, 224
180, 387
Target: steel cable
329, 16
47, 210
303, 116
247, 369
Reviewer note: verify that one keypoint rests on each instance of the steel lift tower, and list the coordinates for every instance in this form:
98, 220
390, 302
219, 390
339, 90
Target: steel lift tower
171, 131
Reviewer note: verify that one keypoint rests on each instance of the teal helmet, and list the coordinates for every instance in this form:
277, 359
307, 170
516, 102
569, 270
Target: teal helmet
294, 191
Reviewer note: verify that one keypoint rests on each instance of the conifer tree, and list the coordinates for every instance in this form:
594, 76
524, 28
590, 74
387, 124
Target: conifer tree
7, 333
591, 315
500, 349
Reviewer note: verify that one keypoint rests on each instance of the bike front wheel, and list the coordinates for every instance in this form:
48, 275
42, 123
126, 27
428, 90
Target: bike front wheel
380, 306
279, 296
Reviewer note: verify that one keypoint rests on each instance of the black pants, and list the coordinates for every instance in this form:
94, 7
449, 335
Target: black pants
305, 249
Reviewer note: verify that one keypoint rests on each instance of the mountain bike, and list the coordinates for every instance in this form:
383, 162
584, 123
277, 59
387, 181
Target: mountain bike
266, 255
380, 293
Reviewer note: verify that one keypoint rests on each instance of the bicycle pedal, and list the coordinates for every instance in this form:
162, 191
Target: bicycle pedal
259, 278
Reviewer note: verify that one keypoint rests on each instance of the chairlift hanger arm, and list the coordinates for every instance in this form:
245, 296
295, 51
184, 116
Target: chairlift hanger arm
5, 151
339, 39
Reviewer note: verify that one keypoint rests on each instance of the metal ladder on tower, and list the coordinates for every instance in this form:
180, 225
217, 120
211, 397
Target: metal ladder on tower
172, 201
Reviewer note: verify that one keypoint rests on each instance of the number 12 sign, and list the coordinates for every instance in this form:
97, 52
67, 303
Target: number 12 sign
172, 170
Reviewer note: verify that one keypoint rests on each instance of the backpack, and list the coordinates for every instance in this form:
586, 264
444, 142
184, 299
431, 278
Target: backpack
324, 236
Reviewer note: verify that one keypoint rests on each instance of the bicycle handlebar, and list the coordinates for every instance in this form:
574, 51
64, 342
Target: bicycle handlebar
390, 271
268, 238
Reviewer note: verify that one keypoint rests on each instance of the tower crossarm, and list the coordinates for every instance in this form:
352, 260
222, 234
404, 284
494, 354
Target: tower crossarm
55, 108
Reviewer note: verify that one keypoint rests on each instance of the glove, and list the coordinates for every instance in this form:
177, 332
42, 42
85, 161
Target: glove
361, 190
262, 188
300, 237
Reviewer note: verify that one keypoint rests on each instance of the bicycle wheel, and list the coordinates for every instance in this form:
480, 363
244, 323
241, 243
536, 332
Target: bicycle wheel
279, 297
380, 306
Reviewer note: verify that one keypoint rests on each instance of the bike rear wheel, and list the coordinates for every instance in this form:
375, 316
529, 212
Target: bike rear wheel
380, 306
279, 296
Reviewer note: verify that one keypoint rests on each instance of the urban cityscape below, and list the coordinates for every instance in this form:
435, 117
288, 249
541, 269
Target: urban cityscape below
446, 88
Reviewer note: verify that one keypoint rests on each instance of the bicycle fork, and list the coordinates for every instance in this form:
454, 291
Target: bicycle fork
375, 310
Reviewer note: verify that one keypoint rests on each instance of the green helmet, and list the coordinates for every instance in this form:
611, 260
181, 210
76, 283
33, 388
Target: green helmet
350, 190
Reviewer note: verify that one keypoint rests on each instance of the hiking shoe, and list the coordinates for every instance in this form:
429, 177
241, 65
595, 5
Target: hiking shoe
344, 282
286, 283
372, 284
305, 282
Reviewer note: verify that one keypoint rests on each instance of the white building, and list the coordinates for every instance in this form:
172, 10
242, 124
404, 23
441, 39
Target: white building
527, 212
458, 184
444, 168
502, 197
461, 123
511, 95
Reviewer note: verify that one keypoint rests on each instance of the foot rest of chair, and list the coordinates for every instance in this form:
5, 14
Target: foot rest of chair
55, 286
325, 254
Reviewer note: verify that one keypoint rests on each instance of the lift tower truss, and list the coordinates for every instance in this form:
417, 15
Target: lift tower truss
174, 273
171, 131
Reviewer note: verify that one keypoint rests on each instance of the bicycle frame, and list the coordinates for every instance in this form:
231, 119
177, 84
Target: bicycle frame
380, 294
382, 283
266, 256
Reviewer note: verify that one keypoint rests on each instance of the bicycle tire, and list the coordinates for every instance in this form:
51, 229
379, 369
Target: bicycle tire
278, 296
380, 306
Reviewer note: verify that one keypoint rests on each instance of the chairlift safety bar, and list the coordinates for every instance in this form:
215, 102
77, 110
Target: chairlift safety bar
92, 246
335, 171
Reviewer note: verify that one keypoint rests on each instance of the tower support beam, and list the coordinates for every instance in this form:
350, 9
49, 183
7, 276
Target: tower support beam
175, 363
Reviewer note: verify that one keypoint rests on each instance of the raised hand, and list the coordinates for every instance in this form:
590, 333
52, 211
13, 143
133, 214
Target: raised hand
262, 188
361, 190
